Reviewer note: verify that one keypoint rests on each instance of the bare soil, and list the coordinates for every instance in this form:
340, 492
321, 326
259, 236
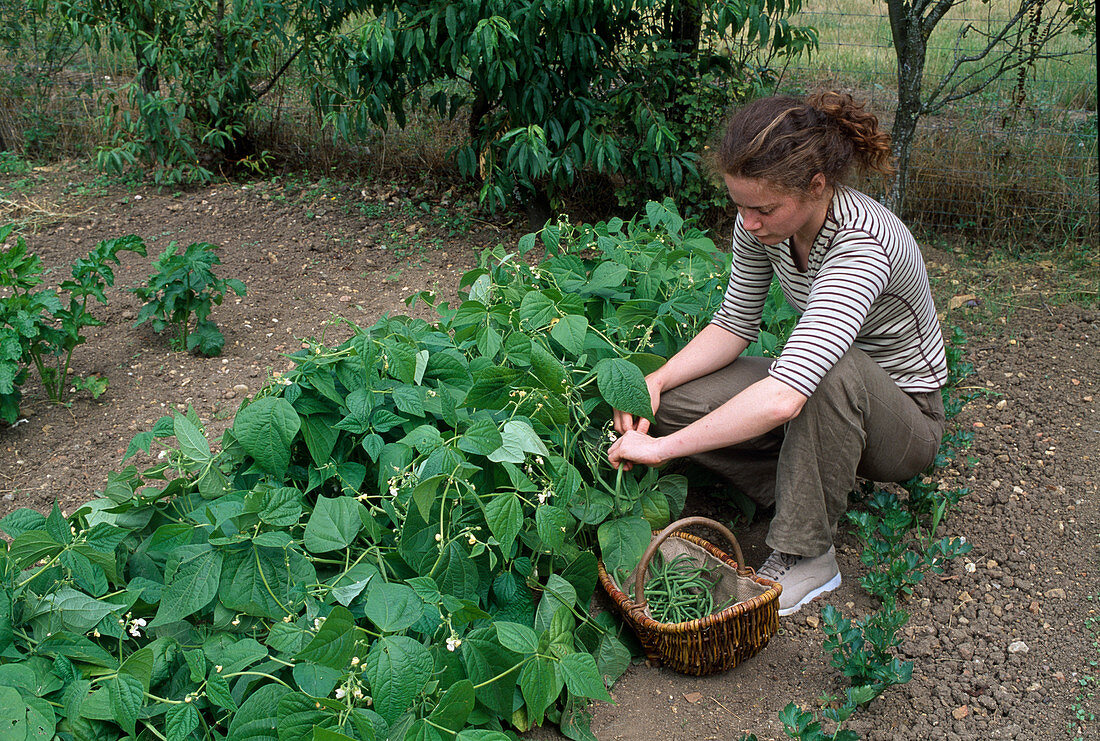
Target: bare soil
1004, 644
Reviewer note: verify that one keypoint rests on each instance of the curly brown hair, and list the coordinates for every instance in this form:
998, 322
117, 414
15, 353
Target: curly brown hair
786, 141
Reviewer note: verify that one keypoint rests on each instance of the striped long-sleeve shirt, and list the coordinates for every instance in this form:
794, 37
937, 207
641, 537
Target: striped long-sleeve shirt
865, 286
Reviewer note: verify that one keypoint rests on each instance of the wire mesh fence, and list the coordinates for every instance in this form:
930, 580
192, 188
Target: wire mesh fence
1017, 157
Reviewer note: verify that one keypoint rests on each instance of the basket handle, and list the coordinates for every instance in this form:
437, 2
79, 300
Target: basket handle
643, 565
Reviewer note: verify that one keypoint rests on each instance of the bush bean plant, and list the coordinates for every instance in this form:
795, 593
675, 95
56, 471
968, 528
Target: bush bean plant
394, 540
183, 286
38, 329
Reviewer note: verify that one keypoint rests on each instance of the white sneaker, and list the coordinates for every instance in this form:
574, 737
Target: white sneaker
802, 578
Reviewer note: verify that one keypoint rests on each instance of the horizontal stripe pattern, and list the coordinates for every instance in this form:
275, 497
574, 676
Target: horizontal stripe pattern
865, 286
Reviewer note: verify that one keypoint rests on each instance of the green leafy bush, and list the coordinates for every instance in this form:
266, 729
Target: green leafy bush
183, 287
394, 540
38, 329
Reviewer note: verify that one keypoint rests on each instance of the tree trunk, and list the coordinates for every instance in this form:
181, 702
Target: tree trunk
911, 49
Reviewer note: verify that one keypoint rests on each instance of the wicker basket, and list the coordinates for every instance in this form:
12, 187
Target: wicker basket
716, 642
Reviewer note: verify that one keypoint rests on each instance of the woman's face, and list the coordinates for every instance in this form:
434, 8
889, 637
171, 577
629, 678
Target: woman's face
772, 215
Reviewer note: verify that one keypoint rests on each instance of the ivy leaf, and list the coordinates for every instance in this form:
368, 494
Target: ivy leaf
623, 386
265, 429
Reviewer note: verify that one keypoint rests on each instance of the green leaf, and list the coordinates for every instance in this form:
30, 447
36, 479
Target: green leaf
570, 331
298, 715
516, 637
334, 644
655, 508
623, 386
191, 588
127, 698
504, 515
519, 439
540, 683
193, 444
392, 607
217, 691
181, 720
622, 542
455, 706
21, 520
316, 680
553, 524
482, 437
282, 507
257, 717
334, 524
398, 668
265, 429
582, 677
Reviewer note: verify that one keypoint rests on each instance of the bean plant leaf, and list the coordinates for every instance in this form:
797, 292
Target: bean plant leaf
181, 720
570, 332
517, 637
127, 698
334, 524
504, 515
622, 542
397, 668
265, 429
192, 442
582, 677
392, 607
191, 588
623, 386
334, 643
455, 706
257, 717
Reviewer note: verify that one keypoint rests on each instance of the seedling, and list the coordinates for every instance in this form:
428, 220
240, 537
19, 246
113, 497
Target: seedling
184, 286
37, 329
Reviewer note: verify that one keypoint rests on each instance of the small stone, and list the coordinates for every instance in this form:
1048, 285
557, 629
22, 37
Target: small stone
240, 388
127, 314
1002, 404
960, 712
693, 697
1056, 593
230, 394
345, 298
1017, 647
1033, 608
812, 621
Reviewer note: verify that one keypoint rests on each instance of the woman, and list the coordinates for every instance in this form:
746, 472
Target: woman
856, 390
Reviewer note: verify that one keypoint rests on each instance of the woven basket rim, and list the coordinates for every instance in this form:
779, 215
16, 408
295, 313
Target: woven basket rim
631, 611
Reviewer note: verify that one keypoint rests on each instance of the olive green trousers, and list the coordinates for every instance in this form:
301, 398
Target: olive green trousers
857, 423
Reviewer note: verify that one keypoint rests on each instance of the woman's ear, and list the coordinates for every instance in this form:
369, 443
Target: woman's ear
818, 185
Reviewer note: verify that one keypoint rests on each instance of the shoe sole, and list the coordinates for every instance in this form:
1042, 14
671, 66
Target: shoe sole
810, 596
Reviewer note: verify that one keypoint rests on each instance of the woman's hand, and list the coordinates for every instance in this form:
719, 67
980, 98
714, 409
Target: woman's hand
636, 447
625, 422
